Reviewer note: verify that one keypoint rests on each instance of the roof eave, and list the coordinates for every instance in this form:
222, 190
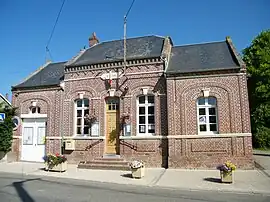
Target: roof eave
201, 71
236, 55
14, 88
112, 61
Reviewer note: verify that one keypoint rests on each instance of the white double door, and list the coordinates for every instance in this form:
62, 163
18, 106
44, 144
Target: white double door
33, 141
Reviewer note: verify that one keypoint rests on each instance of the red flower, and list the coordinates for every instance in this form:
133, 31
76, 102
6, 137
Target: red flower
57, 154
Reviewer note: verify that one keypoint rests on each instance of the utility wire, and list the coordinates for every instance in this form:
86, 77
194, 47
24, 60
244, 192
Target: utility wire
130, 8
50, 38
125, 37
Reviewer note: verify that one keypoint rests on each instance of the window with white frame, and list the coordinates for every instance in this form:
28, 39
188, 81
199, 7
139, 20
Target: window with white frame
207, 115
146, 115
82, 109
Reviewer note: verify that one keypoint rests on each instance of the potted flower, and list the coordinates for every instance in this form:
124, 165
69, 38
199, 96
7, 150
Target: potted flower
226, 172
137, 169
55, 162
90, 118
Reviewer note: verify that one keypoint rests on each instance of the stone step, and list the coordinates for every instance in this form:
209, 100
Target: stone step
102, 162
104, 167
109, 159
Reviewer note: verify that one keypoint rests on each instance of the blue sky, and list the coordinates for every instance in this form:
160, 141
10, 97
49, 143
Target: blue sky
25, 27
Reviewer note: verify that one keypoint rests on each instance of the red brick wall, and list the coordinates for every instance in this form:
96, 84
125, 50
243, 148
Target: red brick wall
232, 103
210, 152
152, 151
233, 117
49, 101
95, 90
86, 150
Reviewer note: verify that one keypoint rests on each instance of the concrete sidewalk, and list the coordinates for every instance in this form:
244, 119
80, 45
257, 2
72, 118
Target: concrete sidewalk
246, 181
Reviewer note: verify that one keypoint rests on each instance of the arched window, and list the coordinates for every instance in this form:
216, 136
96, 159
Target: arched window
34, 110
82, 109
146, 115
207, 115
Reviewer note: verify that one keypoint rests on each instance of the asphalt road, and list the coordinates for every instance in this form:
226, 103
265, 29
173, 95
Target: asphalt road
23, 188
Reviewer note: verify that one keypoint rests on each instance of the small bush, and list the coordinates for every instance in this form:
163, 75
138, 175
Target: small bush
6, 129
261, 138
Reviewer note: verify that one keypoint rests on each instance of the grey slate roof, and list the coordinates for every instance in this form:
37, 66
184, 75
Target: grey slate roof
50, 75
201, 57
140, 47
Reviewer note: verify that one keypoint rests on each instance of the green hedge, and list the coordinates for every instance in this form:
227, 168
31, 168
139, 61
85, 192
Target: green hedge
6, 129
261, 138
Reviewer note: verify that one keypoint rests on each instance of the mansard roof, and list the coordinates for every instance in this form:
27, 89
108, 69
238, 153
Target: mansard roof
112, 51
183, 59
202, 57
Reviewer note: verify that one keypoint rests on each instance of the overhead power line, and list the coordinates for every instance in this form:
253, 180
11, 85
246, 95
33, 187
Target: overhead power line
130, 8
125, 36
52, 32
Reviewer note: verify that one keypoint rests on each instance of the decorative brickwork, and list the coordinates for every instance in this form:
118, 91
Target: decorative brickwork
210, 152
231, 104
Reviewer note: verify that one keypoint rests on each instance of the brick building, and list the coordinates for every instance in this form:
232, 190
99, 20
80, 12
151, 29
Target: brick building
171, 106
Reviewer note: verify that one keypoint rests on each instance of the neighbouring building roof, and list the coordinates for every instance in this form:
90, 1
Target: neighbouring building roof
140, 47
5, 100
202, 57
48, 75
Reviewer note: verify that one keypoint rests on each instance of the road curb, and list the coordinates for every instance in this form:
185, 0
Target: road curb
238, 191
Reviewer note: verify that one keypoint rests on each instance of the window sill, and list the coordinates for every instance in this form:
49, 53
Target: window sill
86, 138
141, 137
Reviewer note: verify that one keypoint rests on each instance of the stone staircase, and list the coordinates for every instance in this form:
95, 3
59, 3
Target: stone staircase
105, 163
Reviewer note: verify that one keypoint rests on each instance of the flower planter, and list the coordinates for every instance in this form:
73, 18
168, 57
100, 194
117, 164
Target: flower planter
60, 167
138, 172
226, 177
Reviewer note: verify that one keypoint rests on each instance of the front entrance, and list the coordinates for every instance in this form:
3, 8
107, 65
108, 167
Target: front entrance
112, 126
33, 142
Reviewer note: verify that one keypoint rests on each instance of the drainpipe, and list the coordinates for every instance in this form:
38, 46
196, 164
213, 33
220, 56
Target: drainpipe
62, 86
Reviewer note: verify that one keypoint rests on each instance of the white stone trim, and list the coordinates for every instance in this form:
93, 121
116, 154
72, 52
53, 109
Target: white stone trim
152, 137
53, 138
139, 73
145, 137
210, 135
187, 136
33, 116
17, 137
86, 138
127, 74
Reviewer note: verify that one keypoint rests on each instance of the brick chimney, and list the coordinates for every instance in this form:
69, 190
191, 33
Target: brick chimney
93, 40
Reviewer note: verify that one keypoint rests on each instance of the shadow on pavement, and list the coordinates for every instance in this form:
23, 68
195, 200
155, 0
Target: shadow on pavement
127, 175
22, 193
212, 179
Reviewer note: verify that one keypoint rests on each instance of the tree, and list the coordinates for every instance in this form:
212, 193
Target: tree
257, 59
6, 128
